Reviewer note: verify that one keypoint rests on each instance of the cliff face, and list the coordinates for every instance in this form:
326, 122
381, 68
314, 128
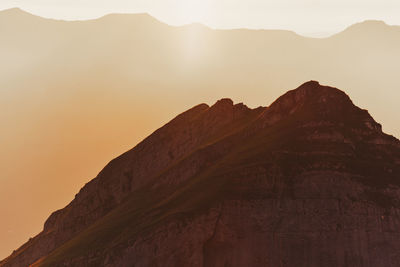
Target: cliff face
309, 181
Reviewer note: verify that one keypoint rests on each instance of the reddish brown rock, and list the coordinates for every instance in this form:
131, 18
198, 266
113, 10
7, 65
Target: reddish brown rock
309, 181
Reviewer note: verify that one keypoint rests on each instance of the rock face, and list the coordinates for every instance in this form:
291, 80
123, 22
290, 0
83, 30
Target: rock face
309, 181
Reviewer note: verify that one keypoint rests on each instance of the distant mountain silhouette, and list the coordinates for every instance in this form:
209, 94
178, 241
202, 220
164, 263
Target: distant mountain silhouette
371, 26
75, 93
310, 180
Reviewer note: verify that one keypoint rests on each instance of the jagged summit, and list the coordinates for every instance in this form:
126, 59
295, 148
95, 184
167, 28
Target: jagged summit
224, 102
313, 95
314, 102
313, 91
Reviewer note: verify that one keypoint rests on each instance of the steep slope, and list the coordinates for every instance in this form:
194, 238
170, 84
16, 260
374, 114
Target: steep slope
137, 168
309, 181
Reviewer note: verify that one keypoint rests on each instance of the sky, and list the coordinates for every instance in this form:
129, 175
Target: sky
307, 17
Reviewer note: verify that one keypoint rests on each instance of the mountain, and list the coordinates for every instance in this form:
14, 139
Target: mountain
310, 180
75, 93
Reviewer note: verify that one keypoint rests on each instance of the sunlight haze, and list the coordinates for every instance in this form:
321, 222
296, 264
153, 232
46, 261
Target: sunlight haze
306, 17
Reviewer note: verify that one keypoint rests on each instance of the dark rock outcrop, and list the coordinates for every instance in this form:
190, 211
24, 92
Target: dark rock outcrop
310, 180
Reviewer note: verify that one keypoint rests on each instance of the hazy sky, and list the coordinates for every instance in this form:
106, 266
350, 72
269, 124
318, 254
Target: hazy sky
312, 17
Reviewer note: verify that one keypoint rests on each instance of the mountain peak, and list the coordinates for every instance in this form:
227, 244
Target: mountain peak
16, 11
224, 102
311, 92
366, 29
311, 83
144, 18
314, 91
12, 10
17, 16
318, 103
369, 25
372, 22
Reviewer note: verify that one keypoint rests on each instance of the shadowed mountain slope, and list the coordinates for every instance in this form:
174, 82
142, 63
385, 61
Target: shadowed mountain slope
310, 180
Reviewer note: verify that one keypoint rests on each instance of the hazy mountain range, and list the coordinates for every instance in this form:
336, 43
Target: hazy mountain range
310, 180
74, 94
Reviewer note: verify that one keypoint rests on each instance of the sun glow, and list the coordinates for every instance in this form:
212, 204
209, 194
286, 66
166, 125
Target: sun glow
195, 36
193, 45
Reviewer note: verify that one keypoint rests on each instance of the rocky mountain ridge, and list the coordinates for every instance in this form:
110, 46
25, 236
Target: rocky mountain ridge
310, 180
